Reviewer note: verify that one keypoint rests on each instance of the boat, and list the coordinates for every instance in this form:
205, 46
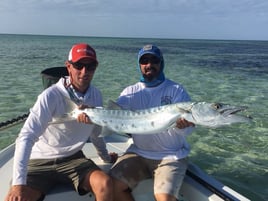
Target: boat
197, 185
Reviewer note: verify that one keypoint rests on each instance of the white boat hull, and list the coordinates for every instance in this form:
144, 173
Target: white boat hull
197, 185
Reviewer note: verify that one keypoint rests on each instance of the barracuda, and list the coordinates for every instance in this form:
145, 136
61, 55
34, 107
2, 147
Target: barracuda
158, 119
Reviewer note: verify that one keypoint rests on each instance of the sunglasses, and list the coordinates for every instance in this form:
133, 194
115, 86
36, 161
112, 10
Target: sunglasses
152, 60
89, 66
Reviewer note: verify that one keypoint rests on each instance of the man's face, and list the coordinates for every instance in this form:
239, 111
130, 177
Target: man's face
150, 66
81, 73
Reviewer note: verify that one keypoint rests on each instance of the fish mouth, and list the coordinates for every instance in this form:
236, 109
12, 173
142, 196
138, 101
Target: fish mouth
232, 110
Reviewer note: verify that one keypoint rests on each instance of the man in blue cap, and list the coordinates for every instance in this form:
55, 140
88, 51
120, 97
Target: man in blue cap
162, 156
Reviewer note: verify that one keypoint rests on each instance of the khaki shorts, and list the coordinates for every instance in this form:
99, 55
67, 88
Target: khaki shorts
168, 174
44, 174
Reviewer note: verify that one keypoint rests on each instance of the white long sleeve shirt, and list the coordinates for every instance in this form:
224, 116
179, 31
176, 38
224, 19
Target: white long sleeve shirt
39, 139
170, 144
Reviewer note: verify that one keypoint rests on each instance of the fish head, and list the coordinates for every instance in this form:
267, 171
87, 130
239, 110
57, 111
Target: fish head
217, 114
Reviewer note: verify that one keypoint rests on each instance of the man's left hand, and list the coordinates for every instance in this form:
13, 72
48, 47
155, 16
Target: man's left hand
182, 123
83, 118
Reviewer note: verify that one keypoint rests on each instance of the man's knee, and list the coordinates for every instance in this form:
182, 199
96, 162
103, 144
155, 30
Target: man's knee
120, 185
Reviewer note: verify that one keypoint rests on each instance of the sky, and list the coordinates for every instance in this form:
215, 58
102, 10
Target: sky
179, 19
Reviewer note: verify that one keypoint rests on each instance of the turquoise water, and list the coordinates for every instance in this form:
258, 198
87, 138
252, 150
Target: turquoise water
233, 72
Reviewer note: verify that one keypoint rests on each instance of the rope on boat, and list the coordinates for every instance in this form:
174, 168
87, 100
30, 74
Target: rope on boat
13, 122
49, 77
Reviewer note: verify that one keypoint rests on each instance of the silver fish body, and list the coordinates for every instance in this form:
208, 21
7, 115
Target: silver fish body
158, 119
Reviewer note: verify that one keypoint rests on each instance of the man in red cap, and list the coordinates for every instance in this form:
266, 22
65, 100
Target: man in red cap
48, 154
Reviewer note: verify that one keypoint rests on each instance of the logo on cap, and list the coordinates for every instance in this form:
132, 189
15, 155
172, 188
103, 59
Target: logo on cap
87, 51
80, 51
147, 47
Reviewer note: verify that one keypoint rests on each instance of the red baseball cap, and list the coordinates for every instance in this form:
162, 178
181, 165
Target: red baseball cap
81, 51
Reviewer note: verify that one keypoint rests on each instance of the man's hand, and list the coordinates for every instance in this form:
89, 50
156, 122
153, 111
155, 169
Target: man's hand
22, 193
182, 123
83, 118
114, 157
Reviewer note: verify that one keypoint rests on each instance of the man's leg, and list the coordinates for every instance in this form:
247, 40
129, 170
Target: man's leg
101, 185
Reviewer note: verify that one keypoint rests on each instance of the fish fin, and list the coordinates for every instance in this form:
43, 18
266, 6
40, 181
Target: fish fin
66, 117
173, 125
70, 105
113, 105
105, 131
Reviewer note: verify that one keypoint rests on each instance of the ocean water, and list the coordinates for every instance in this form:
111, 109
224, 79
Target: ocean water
234, 72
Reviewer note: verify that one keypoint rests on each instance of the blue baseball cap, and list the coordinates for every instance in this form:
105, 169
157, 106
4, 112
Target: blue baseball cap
153, 50
150, 49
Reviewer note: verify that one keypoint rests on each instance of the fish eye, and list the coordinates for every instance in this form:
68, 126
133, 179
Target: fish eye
217, 106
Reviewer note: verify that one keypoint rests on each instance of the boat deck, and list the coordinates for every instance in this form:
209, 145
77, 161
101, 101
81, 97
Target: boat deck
197, 185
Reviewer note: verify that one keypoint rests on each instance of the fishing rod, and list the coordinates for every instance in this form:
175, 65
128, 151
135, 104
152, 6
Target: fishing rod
13, 122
